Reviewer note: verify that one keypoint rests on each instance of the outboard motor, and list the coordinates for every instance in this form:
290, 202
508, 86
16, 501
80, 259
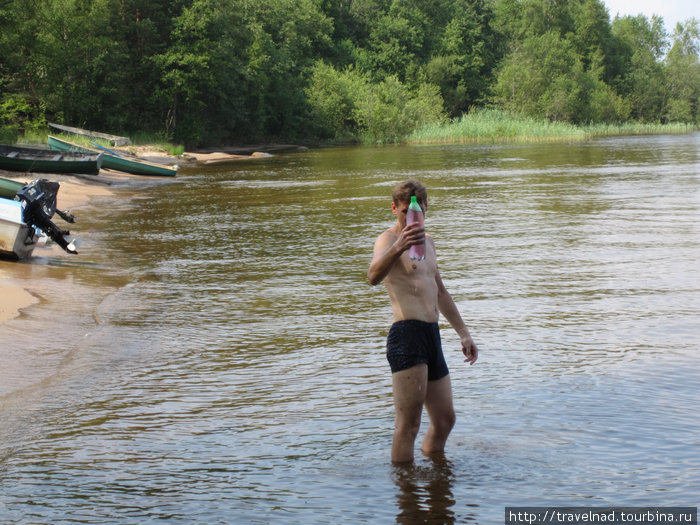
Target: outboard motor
39, 202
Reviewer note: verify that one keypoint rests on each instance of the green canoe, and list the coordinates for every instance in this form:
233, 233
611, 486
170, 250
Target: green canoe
113, 161
15, 158
9, 188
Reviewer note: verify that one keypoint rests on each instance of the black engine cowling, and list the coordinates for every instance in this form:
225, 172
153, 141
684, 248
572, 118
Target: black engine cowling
39, 205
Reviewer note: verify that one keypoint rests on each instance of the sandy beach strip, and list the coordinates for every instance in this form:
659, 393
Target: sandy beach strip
190, 158
14, 291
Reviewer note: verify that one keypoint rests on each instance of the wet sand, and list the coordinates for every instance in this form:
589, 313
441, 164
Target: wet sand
14, 298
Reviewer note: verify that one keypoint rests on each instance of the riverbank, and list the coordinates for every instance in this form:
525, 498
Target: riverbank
16, 292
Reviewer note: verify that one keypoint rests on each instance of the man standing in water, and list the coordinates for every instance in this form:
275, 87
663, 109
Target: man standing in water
419, 373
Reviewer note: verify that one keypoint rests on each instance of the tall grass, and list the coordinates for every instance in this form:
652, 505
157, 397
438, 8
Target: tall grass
34, 137
158, 141
634, 128
493, 125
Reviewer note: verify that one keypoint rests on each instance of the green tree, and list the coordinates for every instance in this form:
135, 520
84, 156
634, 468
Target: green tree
287, 36
560, 62
348, 105
395, 42
683, 73
538, 17
208, 71
332, 95
189, 68
145, 27
541, 79
642, 81
238, 68
21, 67
592, 37
74, 52
465, 56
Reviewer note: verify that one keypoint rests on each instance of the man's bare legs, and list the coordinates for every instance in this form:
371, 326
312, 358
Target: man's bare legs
412, 390
438, 403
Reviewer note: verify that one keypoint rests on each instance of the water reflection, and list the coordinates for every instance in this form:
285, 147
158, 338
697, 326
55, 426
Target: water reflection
425, 492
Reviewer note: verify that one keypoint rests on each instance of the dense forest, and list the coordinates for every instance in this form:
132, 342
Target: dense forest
206, 72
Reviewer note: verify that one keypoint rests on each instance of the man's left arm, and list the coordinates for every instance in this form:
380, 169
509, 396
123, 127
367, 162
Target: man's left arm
448, 308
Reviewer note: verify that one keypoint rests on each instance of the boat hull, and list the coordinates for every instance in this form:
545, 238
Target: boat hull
9, 188
17, 239
15, 158
135, 167
115, 140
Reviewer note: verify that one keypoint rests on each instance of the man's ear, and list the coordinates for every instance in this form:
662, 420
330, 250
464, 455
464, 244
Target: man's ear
394, 209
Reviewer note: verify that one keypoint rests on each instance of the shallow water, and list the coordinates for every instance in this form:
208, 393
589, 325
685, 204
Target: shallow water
215, 355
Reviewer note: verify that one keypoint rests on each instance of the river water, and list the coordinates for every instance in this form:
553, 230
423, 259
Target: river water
215, 354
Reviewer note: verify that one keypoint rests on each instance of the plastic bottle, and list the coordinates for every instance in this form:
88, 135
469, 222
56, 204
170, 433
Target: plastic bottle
415, 214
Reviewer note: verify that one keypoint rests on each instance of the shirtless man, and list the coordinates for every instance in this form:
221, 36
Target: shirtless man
419, 372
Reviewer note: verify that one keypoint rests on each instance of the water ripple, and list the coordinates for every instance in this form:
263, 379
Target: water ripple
229, 366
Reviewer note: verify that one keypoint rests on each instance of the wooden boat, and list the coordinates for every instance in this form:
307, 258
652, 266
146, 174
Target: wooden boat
17, 239
114, 140
15, 158
9, 188
114, 161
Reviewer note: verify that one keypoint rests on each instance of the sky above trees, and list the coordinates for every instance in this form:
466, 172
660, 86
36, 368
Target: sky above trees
672, 11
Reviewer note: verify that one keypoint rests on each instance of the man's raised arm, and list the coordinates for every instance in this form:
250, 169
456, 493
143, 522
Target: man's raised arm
388, 248
386, 252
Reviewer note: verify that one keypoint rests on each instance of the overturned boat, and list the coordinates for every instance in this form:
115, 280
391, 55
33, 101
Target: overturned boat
26, 219
115, 140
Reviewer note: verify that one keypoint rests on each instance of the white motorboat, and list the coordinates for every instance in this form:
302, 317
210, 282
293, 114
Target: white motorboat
17, 238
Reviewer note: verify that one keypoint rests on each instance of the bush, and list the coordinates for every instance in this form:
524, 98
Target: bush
347, 105
679, 111
18, 117
331, 97
389, 111
607, 106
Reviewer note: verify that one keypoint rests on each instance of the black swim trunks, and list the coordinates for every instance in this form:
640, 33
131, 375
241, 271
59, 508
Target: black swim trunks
412, 343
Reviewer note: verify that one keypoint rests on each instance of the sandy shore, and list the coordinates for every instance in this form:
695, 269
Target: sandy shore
14, 298
193, 158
